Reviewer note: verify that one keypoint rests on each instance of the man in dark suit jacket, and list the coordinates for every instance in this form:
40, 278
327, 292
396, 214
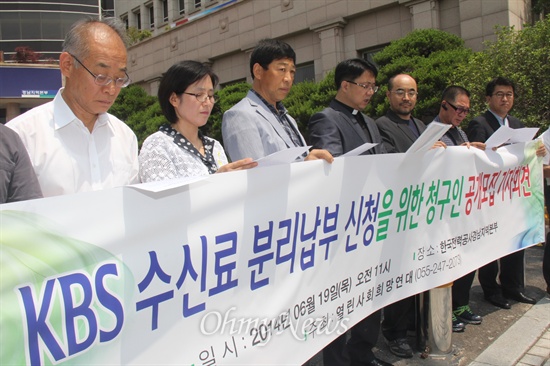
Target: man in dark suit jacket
341, 128
499, 95
399, 130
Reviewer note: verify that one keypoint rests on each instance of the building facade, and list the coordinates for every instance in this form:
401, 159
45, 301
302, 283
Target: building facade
322, 32
40, 26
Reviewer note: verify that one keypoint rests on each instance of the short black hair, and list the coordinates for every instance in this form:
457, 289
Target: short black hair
351, 69
452, 92
177, 79
269, 50
490, 88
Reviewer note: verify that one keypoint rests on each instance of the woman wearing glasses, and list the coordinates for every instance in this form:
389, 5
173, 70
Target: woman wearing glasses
179, 149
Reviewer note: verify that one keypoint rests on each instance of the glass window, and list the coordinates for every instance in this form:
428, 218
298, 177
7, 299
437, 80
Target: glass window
9, 26
137, 14
181, 4
369, 55
197, 4
304, 72
164, 10
124, 19
151, 11
51, 26
30, 26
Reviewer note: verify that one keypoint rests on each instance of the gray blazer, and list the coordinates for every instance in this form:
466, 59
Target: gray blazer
336, 130
250, 130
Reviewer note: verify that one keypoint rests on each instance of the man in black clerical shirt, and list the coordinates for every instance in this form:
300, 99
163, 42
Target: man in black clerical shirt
341, 128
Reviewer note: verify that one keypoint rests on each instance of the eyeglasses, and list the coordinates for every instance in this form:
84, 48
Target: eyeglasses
369, 86
459, 110
501, 95
202, 97
401, 93
103, 80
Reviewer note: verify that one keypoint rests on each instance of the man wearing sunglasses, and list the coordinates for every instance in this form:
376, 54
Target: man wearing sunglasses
74, 144
499, 94
454, 107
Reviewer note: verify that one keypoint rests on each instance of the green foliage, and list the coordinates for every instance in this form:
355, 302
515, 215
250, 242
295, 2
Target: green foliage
541, 6
307, 98
225, 99
140, 111
146, 122
522, 56
428, 55
136, 35
130, 100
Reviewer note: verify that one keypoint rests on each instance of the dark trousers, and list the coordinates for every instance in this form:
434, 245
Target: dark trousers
512, 277
546, 255
358, 349
461, 290
546, 263
397, 317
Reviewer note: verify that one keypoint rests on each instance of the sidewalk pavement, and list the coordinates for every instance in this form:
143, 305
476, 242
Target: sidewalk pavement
525, 343
518, 336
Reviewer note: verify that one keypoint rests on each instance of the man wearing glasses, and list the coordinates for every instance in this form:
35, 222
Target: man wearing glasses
74, 144
454, 107
399, 130
259, 124
341, 128
499, 94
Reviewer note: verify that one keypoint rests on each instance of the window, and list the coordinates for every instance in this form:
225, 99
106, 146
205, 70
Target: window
369, 55
151, 11
108, 8
304, 72
197, 4
164, 10
137, 17
181, 4
124, 19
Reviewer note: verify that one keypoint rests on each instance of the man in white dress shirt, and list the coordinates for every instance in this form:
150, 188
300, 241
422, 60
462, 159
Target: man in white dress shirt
74, 144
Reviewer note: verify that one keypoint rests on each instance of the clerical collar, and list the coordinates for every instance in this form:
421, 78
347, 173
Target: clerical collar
347, 107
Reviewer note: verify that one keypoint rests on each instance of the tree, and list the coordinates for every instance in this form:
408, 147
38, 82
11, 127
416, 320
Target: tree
522, 56
140, 111
428, 55
225, 99
25, 54
136, 35
541, 7
307, 98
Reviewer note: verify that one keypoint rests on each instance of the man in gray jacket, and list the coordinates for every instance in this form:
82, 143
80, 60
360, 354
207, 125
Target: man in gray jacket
259, 124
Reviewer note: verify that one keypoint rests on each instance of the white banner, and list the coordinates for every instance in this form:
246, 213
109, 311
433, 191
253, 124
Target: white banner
265, 266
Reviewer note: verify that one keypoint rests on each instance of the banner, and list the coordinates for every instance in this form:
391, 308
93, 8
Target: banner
264, 266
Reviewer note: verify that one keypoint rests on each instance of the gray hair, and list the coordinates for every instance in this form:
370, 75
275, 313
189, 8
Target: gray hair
75, 40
